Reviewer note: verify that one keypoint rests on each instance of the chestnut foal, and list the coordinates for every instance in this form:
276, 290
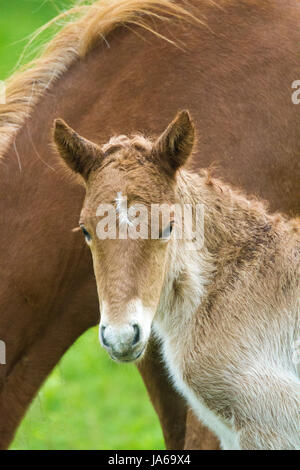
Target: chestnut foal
226, 312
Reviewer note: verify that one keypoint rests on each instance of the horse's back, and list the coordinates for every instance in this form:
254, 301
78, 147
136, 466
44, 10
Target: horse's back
234, 73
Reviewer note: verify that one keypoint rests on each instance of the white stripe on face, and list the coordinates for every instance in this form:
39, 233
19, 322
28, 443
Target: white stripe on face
122, 209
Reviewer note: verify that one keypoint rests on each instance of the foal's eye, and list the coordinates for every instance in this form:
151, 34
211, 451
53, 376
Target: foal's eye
86, 233
165, 234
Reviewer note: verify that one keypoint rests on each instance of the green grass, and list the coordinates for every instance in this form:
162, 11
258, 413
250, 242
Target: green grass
88, 401
18, 20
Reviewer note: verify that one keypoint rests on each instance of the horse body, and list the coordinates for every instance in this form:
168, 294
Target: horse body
239, 73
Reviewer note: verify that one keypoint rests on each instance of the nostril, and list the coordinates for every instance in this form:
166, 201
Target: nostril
104, 342
136, 334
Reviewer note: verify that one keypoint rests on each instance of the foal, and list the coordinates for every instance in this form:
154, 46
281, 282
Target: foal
226, 311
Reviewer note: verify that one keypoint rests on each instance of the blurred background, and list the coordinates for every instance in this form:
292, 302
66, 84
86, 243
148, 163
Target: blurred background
88, 402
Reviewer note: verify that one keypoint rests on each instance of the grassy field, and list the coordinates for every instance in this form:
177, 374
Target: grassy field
88, 402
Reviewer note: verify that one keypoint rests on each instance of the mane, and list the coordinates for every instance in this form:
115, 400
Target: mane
85, 25
233, 201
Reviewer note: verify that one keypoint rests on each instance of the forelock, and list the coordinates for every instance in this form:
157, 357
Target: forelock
123, 142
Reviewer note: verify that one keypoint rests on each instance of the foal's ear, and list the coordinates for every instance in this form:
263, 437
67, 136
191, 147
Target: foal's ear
78, 153
176, 143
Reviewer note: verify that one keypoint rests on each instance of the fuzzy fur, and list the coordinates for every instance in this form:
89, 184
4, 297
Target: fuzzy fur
227, 315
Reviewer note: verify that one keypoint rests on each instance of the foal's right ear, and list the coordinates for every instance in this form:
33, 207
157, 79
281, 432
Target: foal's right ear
79, 154
175, 144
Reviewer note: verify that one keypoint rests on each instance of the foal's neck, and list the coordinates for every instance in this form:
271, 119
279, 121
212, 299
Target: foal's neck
230, 218
234, 226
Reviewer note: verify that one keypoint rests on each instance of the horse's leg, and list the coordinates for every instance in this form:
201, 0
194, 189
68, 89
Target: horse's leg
198, 436
32, 367
169, 406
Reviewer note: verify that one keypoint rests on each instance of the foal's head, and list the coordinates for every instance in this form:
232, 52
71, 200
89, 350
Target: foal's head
123, 179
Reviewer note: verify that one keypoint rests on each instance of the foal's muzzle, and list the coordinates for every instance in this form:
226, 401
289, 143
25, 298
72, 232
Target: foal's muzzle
123, 343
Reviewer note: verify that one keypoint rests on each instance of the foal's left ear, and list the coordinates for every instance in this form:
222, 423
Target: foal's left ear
78, 153
176, 143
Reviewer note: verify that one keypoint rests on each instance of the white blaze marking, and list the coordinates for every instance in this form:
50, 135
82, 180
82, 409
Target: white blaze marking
122, 209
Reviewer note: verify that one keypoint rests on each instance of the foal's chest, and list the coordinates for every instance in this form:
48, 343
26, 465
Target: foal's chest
223, 430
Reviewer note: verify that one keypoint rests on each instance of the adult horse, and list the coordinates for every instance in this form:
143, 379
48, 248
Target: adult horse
232, 67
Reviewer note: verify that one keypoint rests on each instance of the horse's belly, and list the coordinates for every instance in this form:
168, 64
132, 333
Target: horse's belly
224, 431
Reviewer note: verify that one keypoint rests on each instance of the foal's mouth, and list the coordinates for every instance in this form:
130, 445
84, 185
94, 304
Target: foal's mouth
129, 358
